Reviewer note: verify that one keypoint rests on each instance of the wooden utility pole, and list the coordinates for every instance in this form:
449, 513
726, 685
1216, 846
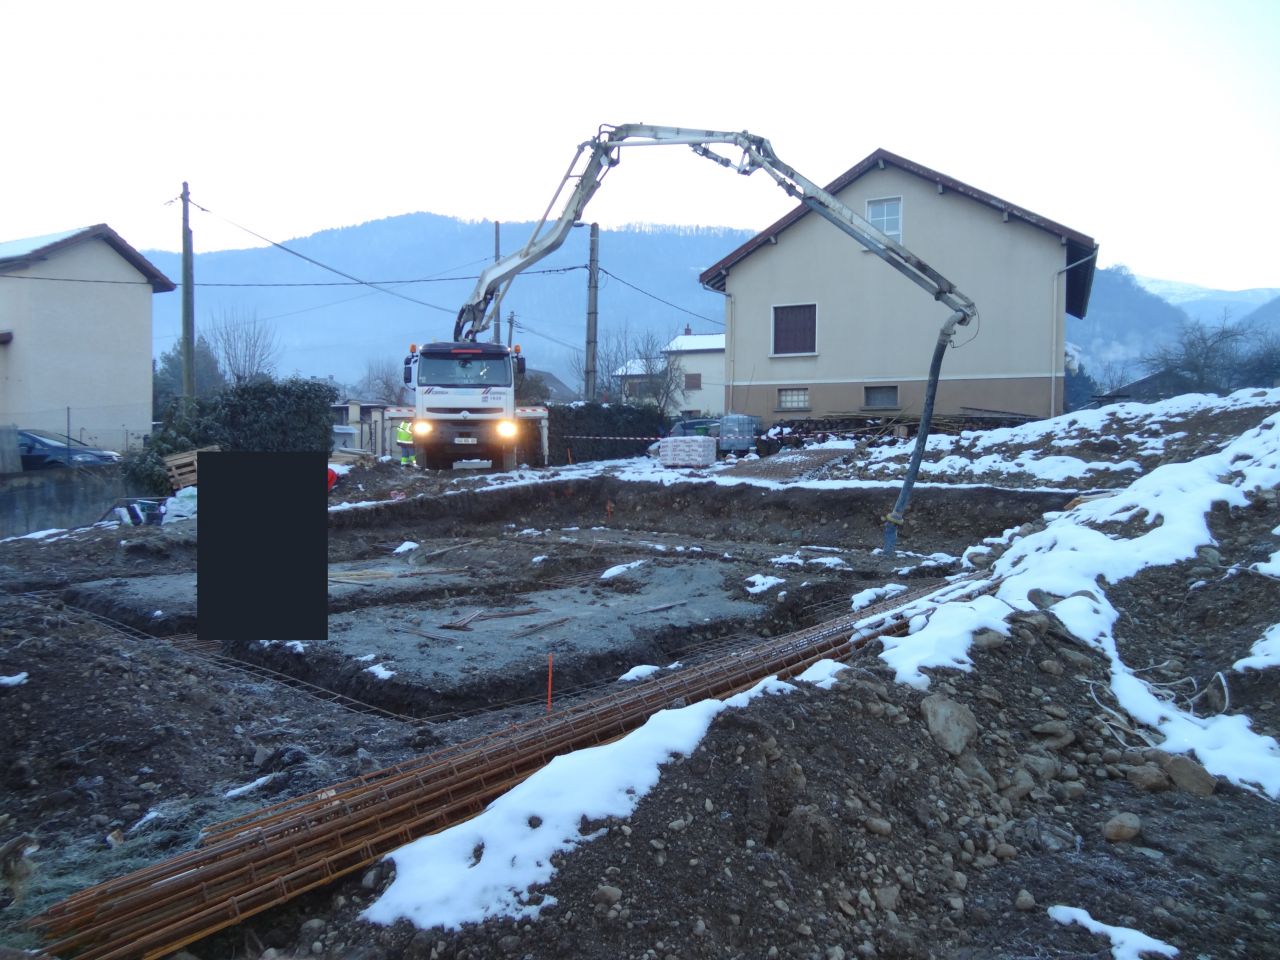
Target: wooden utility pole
497, 303
593, 289
188, 301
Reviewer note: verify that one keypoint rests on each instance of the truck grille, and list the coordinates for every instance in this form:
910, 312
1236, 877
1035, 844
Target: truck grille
447, 411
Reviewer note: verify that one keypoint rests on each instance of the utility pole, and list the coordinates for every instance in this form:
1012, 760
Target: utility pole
593, 289
188, 301
497, 303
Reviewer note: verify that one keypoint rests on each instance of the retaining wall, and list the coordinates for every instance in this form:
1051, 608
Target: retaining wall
45, 499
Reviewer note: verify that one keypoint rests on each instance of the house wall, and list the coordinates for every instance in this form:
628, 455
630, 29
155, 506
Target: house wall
710, 398
86, 346
876, 327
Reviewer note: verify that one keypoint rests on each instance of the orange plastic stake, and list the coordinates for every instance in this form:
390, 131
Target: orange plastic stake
549, 656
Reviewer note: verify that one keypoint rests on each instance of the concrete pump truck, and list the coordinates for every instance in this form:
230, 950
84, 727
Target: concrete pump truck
465, 389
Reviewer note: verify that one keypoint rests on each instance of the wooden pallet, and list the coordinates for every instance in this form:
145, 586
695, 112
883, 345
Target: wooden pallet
182, 467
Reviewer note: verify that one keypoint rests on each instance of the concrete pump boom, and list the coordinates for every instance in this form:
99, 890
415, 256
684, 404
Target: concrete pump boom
602, 153
757, 154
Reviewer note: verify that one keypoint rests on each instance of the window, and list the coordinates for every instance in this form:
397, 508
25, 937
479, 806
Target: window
795, 329
793, 398
693, 381
886, 216
880, 398
452, 371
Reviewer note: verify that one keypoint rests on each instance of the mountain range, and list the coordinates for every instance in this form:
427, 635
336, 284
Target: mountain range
429, 263
425, 266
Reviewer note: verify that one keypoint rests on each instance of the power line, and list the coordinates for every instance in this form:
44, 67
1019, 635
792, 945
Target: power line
323, 266
654, 296
355, 283
313, 283
523, 325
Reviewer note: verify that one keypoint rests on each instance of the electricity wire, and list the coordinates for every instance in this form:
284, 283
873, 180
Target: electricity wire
323, 266
654, 296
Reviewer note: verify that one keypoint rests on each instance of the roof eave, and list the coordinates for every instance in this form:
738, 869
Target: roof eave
716, 275
100, 231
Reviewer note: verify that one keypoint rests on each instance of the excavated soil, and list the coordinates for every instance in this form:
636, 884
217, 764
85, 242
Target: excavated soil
815, 824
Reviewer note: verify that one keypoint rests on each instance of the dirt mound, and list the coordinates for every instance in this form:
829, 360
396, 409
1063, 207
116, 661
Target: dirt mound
872, 819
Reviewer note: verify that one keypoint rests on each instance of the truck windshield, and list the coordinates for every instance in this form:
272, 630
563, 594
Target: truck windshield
464, 372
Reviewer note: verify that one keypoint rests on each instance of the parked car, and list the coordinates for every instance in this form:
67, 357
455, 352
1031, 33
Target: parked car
695, 428
41, 450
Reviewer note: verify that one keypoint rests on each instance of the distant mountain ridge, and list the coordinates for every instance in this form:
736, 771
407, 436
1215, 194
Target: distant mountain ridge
334, 327
1206, 304
331, 327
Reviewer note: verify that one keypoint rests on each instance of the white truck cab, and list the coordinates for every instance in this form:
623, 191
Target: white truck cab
465, 406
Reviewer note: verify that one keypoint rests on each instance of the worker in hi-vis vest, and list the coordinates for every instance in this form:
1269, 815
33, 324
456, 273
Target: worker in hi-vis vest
404, 438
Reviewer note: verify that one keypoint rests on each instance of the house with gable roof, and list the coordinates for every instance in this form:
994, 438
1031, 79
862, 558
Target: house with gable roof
75, 335
700, 357
816, 326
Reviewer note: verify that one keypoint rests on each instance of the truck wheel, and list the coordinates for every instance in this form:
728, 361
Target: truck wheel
508, 458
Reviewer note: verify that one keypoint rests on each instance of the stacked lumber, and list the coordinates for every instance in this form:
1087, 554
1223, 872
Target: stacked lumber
182, 467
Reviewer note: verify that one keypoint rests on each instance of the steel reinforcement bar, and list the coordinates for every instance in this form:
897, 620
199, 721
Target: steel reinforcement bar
251, 864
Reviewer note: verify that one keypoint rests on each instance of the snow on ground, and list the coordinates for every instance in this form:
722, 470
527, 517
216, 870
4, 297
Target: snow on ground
621, 569
485, 867
1143, 428
759, 582
1126, 944
1265, 653
250, 787
1172, 503
15, 680
865, 598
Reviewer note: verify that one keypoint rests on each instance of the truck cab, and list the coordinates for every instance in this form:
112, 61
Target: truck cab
465, 406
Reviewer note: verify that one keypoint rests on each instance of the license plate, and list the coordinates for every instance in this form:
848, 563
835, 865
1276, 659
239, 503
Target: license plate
465, 440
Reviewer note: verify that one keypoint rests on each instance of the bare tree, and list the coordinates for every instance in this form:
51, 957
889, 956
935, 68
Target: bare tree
383, 381
662, 375
1112, 375
246, 347
612, 353
1206, 357
634, 366
1260, 365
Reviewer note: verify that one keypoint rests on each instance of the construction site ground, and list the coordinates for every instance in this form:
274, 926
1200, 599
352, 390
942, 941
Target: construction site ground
823, 823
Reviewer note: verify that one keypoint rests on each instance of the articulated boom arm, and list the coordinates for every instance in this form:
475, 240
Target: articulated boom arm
757, 154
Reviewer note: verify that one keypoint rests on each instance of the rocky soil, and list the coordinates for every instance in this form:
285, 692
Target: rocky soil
869, 820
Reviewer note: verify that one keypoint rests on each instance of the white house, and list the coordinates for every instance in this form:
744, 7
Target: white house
817, 326
75, 335
701, 357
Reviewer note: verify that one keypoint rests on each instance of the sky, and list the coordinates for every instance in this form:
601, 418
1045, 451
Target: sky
1128, 120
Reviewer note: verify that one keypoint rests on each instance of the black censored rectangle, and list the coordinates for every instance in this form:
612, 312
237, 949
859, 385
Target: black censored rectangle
262, 554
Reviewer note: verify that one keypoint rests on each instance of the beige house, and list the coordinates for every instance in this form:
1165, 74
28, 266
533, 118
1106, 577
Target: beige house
75, 335
700, 356
817, 326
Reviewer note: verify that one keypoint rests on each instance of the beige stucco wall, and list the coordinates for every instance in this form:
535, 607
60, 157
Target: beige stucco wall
710, 398
86, 346
875, 326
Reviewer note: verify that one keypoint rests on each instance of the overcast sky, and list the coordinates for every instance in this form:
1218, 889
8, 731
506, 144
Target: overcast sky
1152, 126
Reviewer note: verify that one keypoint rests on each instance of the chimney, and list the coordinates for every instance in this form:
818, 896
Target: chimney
688, 330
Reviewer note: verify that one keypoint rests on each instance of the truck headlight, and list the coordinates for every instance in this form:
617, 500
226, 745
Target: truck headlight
506, 429
421, 427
